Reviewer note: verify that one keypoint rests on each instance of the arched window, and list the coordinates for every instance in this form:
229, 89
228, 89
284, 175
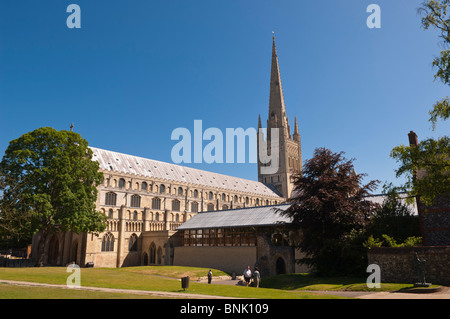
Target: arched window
257, 201
110, 214
121, 183
224, 207
156, 203
135, 215
132, 244
223, 196
235, 198
144, 186
246, 200
110, 199
180, 191
210, 195
194, 207
210, 207
176, 205
195, 193
162, 189
135, 201
157, 216
108, 242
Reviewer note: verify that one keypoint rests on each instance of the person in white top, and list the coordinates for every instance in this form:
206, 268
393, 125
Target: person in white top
247, 275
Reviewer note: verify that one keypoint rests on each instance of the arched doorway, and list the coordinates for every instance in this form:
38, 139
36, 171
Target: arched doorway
53, 249
145, 259
159, 256
280, 266
152, 258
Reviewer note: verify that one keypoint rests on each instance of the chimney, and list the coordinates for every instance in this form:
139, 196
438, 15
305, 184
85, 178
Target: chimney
413, 139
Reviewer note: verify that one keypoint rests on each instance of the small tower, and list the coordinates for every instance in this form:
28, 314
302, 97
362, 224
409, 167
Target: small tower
290, 154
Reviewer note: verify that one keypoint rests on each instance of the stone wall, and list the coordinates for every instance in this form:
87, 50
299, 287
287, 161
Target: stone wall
20, 262
274, 260
397, 264
228, 259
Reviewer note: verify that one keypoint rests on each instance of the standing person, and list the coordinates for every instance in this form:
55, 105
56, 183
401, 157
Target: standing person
209, 276
256, 277
247, 275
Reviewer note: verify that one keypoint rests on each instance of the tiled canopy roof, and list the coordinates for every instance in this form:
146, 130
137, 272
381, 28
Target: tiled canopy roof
129, 164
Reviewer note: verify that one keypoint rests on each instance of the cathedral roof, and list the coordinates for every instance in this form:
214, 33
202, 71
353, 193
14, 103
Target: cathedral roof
241, 217
129, 164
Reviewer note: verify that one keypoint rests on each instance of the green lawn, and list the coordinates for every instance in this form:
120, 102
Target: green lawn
299, 282
166, 278
22, 292
162, 278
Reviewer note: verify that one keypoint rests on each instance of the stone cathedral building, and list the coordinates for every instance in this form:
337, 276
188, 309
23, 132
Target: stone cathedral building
150, 205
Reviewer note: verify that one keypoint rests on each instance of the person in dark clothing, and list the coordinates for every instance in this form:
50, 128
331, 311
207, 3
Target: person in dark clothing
209, 276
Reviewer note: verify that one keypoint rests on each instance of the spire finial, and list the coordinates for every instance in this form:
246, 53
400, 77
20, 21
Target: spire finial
273, 35
71, 127
296, 126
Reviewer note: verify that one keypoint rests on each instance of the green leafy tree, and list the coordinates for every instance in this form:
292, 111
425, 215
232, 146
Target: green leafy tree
427, 166
329, 209
394, 218
49, 184
14, 230
436, 15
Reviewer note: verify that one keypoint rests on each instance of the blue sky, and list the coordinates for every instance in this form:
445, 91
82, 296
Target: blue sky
137, 70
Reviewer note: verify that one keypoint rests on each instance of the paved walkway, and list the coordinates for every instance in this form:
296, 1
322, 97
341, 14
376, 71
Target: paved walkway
445, 294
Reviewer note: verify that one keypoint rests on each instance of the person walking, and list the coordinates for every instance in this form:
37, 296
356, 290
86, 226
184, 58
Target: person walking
256, 277
247, 276
209, 276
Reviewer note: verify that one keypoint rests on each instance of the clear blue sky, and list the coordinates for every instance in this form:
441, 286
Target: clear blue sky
136, 70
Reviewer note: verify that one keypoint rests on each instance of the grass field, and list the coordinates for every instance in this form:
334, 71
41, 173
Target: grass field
21, 292
166, 278
309, 282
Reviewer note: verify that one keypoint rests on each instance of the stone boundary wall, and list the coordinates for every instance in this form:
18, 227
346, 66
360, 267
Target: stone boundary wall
397, 264
19, 262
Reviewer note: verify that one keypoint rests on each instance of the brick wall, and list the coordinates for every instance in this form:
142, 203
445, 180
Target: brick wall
397, 264
435, 222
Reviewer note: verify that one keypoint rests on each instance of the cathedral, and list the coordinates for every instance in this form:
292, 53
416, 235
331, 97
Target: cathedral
166, 214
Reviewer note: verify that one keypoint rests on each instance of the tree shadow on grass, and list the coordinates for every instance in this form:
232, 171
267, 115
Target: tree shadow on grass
309, 281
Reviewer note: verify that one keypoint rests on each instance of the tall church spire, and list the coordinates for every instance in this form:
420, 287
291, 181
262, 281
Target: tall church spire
277, 109
289, 150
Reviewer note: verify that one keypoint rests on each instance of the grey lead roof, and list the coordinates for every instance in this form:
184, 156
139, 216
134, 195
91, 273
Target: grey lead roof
243, 217
129, 164
256, 216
